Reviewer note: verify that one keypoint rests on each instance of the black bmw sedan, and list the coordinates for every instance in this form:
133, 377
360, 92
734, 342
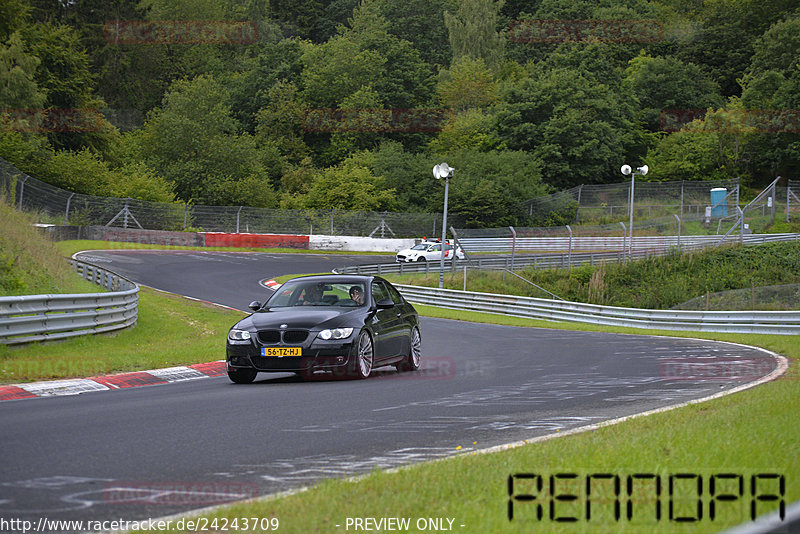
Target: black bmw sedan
344, 324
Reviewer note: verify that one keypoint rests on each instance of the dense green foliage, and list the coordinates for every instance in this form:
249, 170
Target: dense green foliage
349, 103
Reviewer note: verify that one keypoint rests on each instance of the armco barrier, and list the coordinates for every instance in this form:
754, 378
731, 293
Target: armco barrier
609, 243
214, 239
743, 322
45, 317
546, 261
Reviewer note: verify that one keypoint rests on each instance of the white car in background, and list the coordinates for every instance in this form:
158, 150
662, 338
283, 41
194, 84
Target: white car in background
429, 251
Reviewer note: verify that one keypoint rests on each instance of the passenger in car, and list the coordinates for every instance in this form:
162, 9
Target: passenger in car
357, 294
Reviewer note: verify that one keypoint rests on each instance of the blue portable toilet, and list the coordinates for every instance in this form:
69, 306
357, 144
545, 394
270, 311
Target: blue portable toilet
718, 203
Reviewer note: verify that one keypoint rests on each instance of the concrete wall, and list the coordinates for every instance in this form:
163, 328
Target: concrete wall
219, 239
358, 244
215, 239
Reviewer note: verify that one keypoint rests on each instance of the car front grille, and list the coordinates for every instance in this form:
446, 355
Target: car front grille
271, 337
295, 336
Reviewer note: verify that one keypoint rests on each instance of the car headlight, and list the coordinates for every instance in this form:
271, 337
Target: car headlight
238, 336
335, 333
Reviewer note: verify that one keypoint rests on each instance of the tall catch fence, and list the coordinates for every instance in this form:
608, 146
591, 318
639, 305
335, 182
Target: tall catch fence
765, 298
610, 202
607, 203
59, 206
704, 208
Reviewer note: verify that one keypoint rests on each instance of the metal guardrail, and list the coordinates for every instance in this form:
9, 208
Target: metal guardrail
550, 261
28, 318
583, 243
742, 322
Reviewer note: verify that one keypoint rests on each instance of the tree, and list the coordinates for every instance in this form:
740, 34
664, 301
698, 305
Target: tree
280, 122
362, 58
64, 76
337, 69
471, 129
725, 40
18, 88
420, 22
577, 127
467, 84
771, 97
349, 186
487, 187
406, 173
13, 15
473, 31
194, 141
252, 87
661, 84
364, 105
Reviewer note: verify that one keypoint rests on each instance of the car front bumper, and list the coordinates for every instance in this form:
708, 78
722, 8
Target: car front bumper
328, 357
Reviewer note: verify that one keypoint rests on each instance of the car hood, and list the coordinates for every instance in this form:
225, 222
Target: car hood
302, 317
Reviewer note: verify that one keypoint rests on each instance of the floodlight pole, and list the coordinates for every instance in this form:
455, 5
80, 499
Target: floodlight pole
443, 170
626, 170
630, 222
444, 231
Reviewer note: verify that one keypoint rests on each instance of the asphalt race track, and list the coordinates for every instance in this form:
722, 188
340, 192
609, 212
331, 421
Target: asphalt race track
149, 452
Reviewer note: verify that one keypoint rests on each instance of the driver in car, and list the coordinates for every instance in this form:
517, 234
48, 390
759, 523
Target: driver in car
313, 295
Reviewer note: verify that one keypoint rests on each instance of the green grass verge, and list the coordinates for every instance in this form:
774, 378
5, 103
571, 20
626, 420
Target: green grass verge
171, 330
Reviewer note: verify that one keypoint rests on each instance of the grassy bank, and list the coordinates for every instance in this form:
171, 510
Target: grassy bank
31, 264
657, 282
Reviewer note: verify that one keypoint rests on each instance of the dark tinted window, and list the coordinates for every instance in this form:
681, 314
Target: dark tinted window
396, 298
379, 292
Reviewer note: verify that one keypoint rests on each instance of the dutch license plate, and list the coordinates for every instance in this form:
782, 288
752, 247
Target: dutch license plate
280, 352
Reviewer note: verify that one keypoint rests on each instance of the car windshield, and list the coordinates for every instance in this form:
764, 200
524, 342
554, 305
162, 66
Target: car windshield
299, 293
421, 246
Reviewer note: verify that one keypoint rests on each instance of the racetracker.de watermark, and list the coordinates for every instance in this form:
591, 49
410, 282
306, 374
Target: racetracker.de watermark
374, 120
716, 369
217, 32
47, 120
582, 31
734, 121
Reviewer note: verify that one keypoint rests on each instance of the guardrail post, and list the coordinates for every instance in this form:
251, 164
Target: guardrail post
66, 213
513, 245
569, 254
22, 190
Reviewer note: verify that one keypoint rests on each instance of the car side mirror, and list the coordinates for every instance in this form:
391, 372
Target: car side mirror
385, 304
255, 305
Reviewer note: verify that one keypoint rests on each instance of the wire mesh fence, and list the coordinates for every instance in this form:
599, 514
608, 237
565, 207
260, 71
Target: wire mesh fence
702, 208
765, 298
611, 202
58, 206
